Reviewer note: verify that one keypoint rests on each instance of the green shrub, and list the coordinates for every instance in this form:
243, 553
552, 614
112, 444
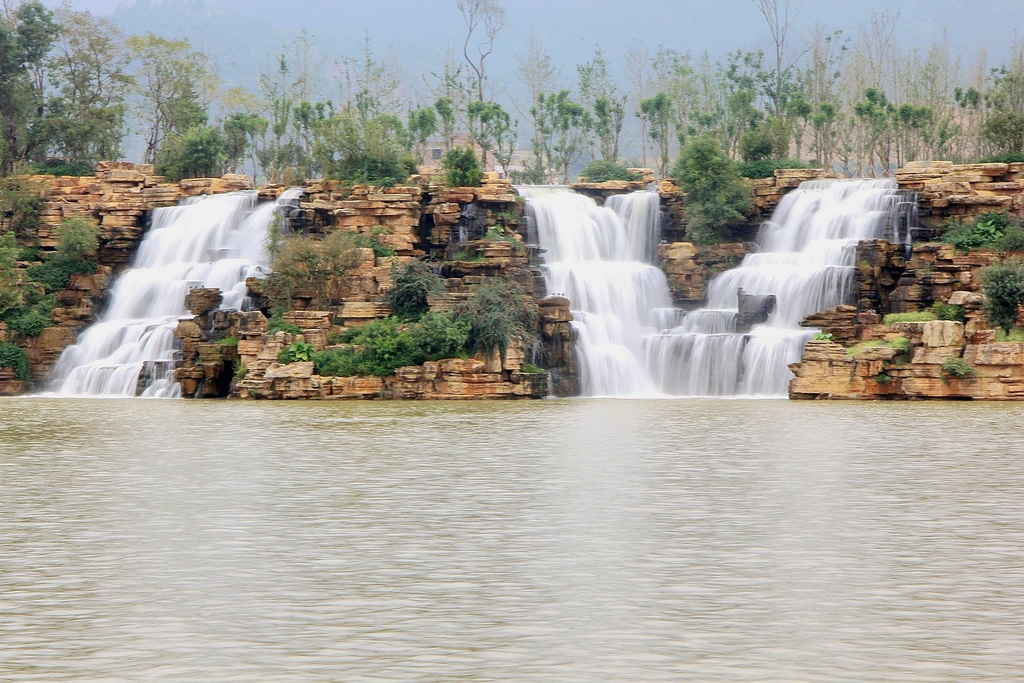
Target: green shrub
883, 377
385, 345
315, 268
13, 357
358, 148
438, 336
917, 317
767, 168
995, 230
948, 312
298, 352
901, 343
229, 341
77, 238
462, 168
717, 198
59, 270
198, 153
957, 368
498, 316
276, 323
29, 254
21, 203
1004, 158
30, 323
380, 250
1014, 335
10, 290
60, 167
240, 371
1003, 286
822, 336
411, 285
603, 170
531, 369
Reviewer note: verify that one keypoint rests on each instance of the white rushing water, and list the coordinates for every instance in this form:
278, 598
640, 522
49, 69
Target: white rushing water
632, 342
215, 241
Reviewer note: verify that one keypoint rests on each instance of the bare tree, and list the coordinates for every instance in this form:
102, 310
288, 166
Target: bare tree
637, 63
489, 16
780, 16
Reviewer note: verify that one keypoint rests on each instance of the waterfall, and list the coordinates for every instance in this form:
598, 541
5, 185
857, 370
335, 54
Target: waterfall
632, 342
215, 241
599, 257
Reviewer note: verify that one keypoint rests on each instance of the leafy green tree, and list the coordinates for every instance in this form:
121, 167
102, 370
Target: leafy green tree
562, 126
356, 150
422, 125
462, 168
495, 131
242, 132
198, 153
88, 74
173, 84
446, 117
716, 197
657, 111
26, 37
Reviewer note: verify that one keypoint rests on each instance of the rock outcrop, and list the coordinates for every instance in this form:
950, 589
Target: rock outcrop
949, 189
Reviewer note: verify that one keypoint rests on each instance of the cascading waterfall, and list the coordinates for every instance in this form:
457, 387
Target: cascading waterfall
599, 257
633, 343
215, 241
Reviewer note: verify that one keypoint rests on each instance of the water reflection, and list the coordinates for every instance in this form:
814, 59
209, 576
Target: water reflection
543, 541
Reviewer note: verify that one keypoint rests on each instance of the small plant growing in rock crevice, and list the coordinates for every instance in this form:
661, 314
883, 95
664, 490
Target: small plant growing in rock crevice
957, 368
823, 336
298, 352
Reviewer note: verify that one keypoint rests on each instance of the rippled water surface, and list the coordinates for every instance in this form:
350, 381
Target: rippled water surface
541, 541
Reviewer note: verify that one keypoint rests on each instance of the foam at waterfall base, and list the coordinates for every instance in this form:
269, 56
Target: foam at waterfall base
217, 242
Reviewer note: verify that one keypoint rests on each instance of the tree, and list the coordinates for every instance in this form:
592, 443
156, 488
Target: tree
1003, 286
496, 132
538, 74
197, 153
462, 168
242, 132
779, 15
489, 16
422, 125
716, 197
564, 125
87, 70
26, 36
373, 151
175, 84
607, 107
657, 112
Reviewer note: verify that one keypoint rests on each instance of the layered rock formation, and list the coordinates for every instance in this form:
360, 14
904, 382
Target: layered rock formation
950, 190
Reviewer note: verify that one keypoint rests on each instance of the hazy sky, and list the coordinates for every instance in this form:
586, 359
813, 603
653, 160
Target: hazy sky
238, 33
